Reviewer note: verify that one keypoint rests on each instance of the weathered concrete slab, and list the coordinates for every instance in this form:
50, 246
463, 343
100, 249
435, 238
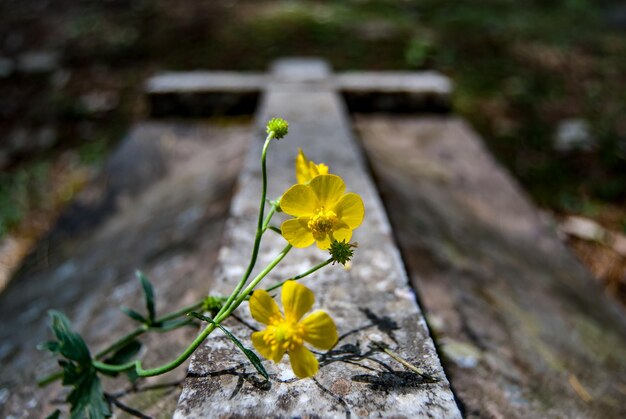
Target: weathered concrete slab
372, 300
204, 81
399, 92
200, 93
526, 332
159, 205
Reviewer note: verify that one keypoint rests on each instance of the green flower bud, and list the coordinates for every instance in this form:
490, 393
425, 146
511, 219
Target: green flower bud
278, 126
341, 252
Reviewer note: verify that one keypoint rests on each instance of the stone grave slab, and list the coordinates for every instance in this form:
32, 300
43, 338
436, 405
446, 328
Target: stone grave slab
523, 328
159, 205
372, 301
200, 93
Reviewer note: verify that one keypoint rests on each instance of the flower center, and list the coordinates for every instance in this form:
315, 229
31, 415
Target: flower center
285, 335
322, 223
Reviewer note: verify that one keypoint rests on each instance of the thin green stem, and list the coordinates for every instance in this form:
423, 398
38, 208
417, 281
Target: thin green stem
255, 282
259, 230
275, 229
104, 367
101, 366
143, 328
233, 301
124, 340
181, 312
50, 379
302, 275
270, 214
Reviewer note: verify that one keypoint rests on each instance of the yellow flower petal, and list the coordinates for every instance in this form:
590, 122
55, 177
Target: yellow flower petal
328, 189
263, 307
343, 234
302, 168
306, 169
350, 210
323, 242
296, 232
299, 201
303, 362
297, 300
319, 330
318, 169
260, 339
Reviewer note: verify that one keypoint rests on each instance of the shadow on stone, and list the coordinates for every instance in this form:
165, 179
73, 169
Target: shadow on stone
384, 323
391, 380
242, 377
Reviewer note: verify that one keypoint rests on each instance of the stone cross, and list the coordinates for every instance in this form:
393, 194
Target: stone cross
371, 303
201, 93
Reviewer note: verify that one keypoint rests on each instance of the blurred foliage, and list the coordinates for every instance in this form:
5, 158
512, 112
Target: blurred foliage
519, 67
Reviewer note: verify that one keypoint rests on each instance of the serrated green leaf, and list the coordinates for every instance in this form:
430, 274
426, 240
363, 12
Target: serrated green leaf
69, 344
87, 400
252, 357
134, 315
149, 294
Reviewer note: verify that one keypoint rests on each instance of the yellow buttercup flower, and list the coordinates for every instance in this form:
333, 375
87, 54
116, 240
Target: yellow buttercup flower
306, 169
288, 333
323, 212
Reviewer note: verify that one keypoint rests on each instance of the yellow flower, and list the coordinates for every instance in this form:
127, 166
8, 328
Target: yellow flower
306, 169
288, 333
323, 212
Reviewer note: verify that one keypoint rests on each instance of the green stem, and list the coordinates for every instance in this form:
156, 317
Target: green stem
101, 366
181, 312
259, 230
270, 214
143, 328
124, 340
275, 229
201, 337
302, 275
50, 379
255, 281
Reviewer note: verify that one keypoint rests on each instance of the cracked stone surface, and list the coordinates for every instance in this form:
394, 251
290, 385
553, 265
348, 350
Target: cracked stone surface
371, 301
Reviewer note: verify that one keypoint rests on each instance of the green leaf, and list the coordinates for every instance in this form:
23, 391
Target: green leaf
149, 294
134, 315
252, 357
69, 344
86, 399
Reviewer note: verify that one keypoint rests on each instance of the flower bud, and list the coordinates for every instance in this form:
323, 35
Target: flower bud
341, 251
278, 126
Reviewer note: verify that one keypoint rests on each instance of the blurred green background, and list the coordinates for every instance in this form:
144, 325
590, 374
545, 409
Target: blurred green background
542, 81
